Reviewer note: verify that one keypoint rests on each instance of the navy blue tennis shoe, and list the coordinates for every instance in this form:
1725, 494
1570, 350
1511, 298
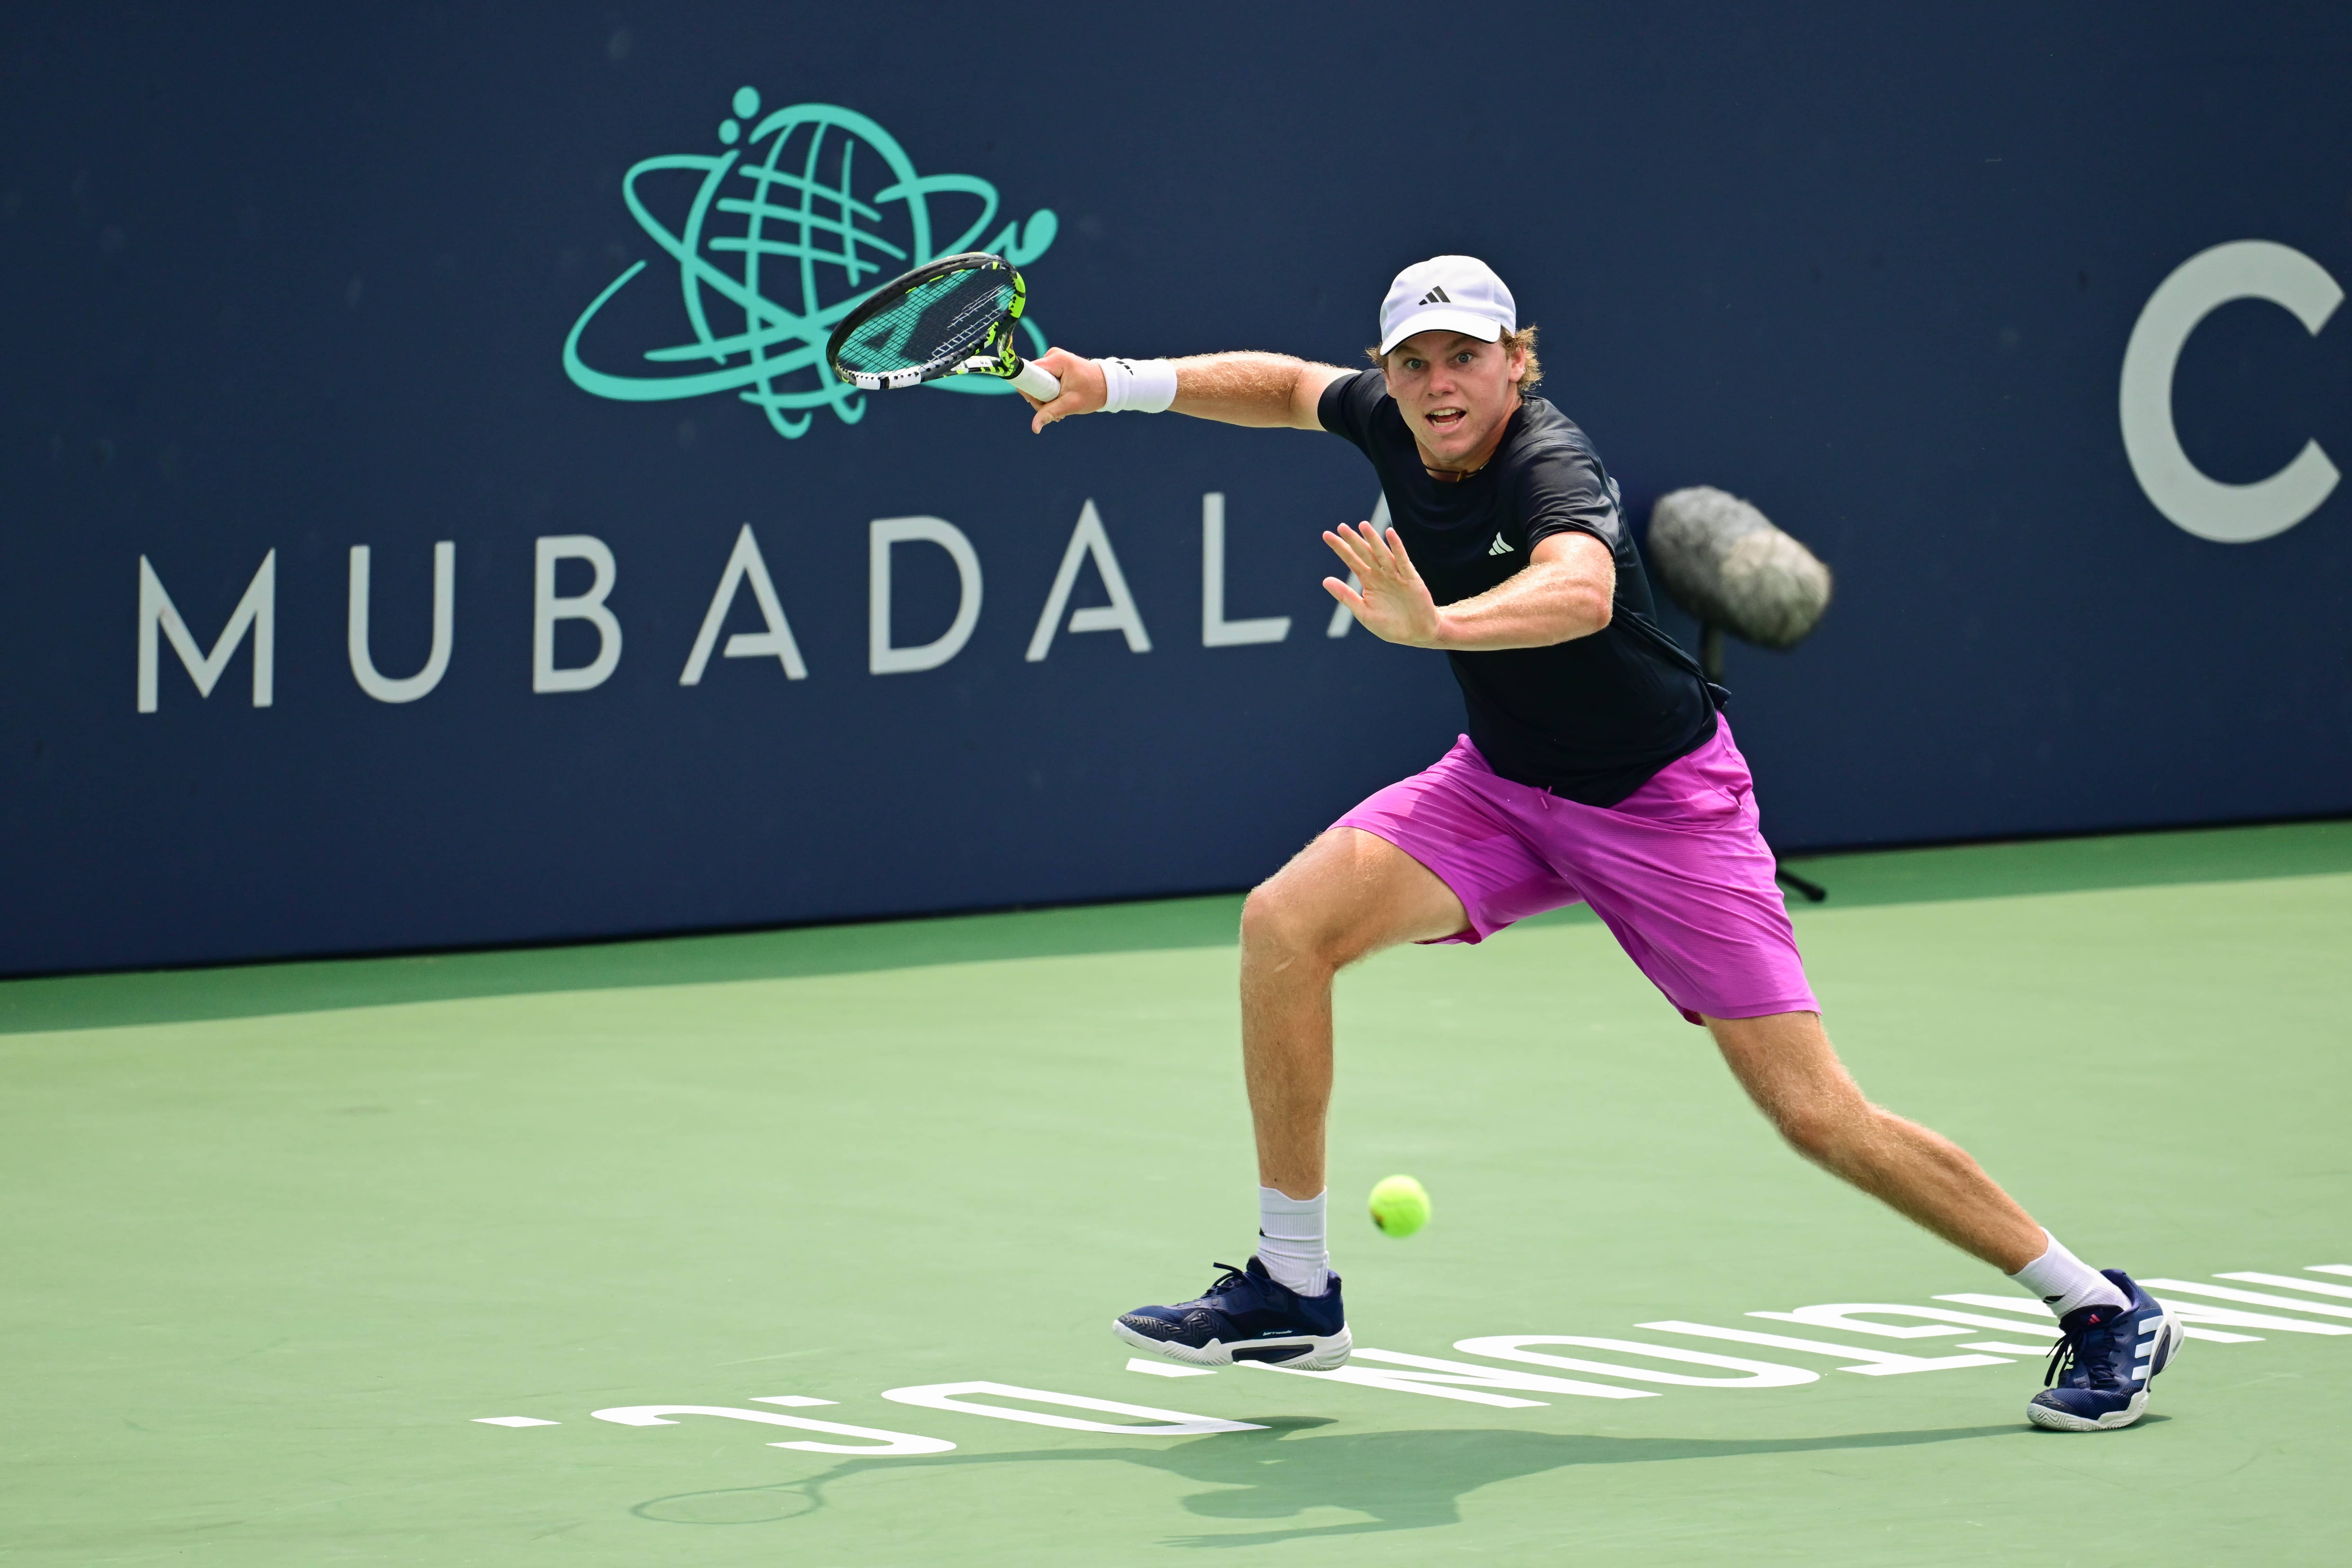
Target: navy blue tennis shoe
1245, 1316
2103, 1362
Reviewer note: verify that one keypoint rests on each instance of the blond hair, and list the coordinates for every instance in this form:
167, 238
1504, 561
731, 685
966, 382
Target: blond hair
1524, 341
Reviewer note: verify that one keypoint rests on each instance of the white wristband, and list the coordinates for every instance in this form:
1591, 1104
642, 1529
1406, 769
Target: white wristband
1138, 385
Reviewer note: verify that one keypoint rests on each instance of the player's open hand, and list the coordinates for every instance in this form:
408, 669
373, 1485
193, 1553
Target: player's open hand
1084, 390
1393, 604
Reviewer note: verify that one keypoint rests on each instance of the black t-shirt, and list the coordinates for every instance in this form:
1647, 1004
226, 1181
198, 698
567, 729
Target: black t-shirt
1591, 720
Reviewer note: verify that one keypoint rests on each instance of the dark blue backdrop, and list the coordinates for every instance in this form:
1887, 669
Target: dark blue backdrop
296, 279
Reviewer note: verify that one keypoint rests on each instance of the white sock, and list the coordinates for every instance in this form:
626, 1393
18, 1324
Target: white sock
1290, 1241
2064, 1281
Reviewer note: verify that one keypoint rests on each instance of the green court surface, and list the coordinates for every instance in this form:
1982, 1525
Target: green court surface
278, 1241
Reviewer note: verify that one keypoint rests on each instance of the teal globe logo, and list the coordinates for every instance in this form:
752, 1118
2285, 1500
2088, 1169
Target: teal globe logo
775, 238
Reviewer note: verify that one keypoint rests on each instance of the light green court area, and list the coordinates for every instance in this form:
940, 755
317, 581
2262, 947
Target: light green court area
274, 1241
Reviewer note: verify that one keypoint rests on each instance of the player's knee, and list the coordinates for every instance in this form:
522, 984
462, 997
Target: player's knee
1279, 927
1270, 923
1822, 1132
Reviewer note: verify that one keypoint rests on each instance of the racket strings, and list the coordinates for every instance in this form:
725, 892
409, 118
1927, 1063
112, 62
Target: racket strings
937, 321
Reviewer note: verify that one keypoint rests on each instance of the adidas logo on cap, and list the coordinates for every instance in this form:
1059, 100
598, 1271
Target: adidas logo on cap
1447, 294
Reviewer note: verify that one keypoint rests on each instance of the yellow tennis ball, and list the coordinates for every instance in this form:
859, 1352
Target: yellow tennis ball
1400, 1206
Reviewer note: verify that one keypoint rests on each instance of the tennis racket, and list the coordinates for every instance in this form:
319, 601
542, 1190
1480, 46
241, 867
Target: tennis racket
954, 316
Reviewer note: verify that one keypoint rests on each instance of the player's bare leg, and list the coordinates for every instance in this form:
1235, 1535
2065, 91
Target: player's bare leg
2117, 1338
1788, 1068
1344, 896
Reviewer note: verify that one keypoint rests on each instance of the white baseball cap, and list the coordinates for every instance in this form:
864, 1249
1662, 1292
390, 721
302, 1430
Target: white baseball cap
1447, 294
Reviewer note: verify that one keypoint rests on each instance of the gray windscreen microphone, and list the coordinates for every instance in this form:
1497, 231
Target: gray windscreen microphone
1722, 560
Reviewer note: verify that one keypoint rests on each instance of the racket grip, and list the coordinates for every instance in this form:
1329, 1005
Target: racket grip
1038, 383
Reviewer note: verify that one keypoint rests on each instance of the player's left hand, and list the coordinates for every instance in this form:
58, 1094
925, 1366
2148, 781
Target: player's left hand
1393, 604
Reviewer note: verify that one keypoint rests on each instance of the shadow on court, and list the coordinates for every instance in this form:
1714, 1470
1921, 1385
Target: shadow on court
1879, 876
1403, 1481
261, 990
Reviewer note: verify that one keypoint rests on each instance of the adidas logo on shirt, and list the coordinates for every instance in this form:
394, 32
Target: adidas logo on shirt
1500, 546
1437, 297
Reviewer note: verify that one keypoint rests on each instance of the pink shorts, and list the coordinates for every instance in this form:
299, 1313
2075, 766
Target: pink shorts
1677, 871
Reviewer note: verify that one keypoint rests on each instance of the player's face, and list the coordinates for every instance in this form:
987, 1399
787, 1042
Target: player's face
1456, 394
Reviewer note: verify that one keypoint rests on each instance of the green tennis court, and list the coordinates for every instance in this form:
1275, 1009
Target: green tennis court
281, 1242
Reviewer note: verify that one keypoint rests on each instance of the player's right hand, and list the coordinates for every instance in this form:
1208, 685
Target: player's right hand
1084, 390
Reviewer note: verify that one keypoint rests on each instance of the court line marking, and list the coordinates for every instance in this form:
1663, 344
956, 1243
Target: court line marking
1162, 1369
2254, 1278
1475, 1383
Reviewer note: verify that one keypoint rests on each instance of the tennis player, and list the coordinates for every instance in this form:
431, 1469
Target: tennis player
1598, 768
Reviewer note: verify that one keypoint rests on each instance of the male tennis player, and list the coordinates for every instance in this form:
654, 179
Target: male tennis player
1598, 767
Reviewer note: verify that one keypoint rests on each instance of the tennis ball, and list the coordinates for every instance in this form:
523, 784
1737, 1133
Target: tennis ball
1400, 1206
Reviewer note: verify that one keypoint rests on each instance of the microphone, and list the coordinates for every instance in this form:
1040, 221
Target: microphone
1722, 560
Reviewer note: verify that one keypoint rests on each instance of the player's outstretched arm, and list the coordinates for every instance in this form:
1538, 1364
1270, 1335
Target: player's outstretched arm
1267, 391
1565, 591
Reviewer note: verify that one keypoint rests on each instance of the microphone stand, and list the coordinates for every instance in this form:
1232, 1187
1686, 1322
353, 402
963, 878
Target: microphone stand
1710, 660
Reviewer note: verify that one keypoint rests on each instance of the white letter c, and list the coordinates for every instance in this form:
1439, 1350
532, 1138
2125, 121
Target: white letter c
2230, 514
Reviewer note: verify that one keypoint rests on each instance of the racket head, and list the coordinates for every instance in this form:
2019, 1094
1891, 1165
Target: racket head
944, 318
